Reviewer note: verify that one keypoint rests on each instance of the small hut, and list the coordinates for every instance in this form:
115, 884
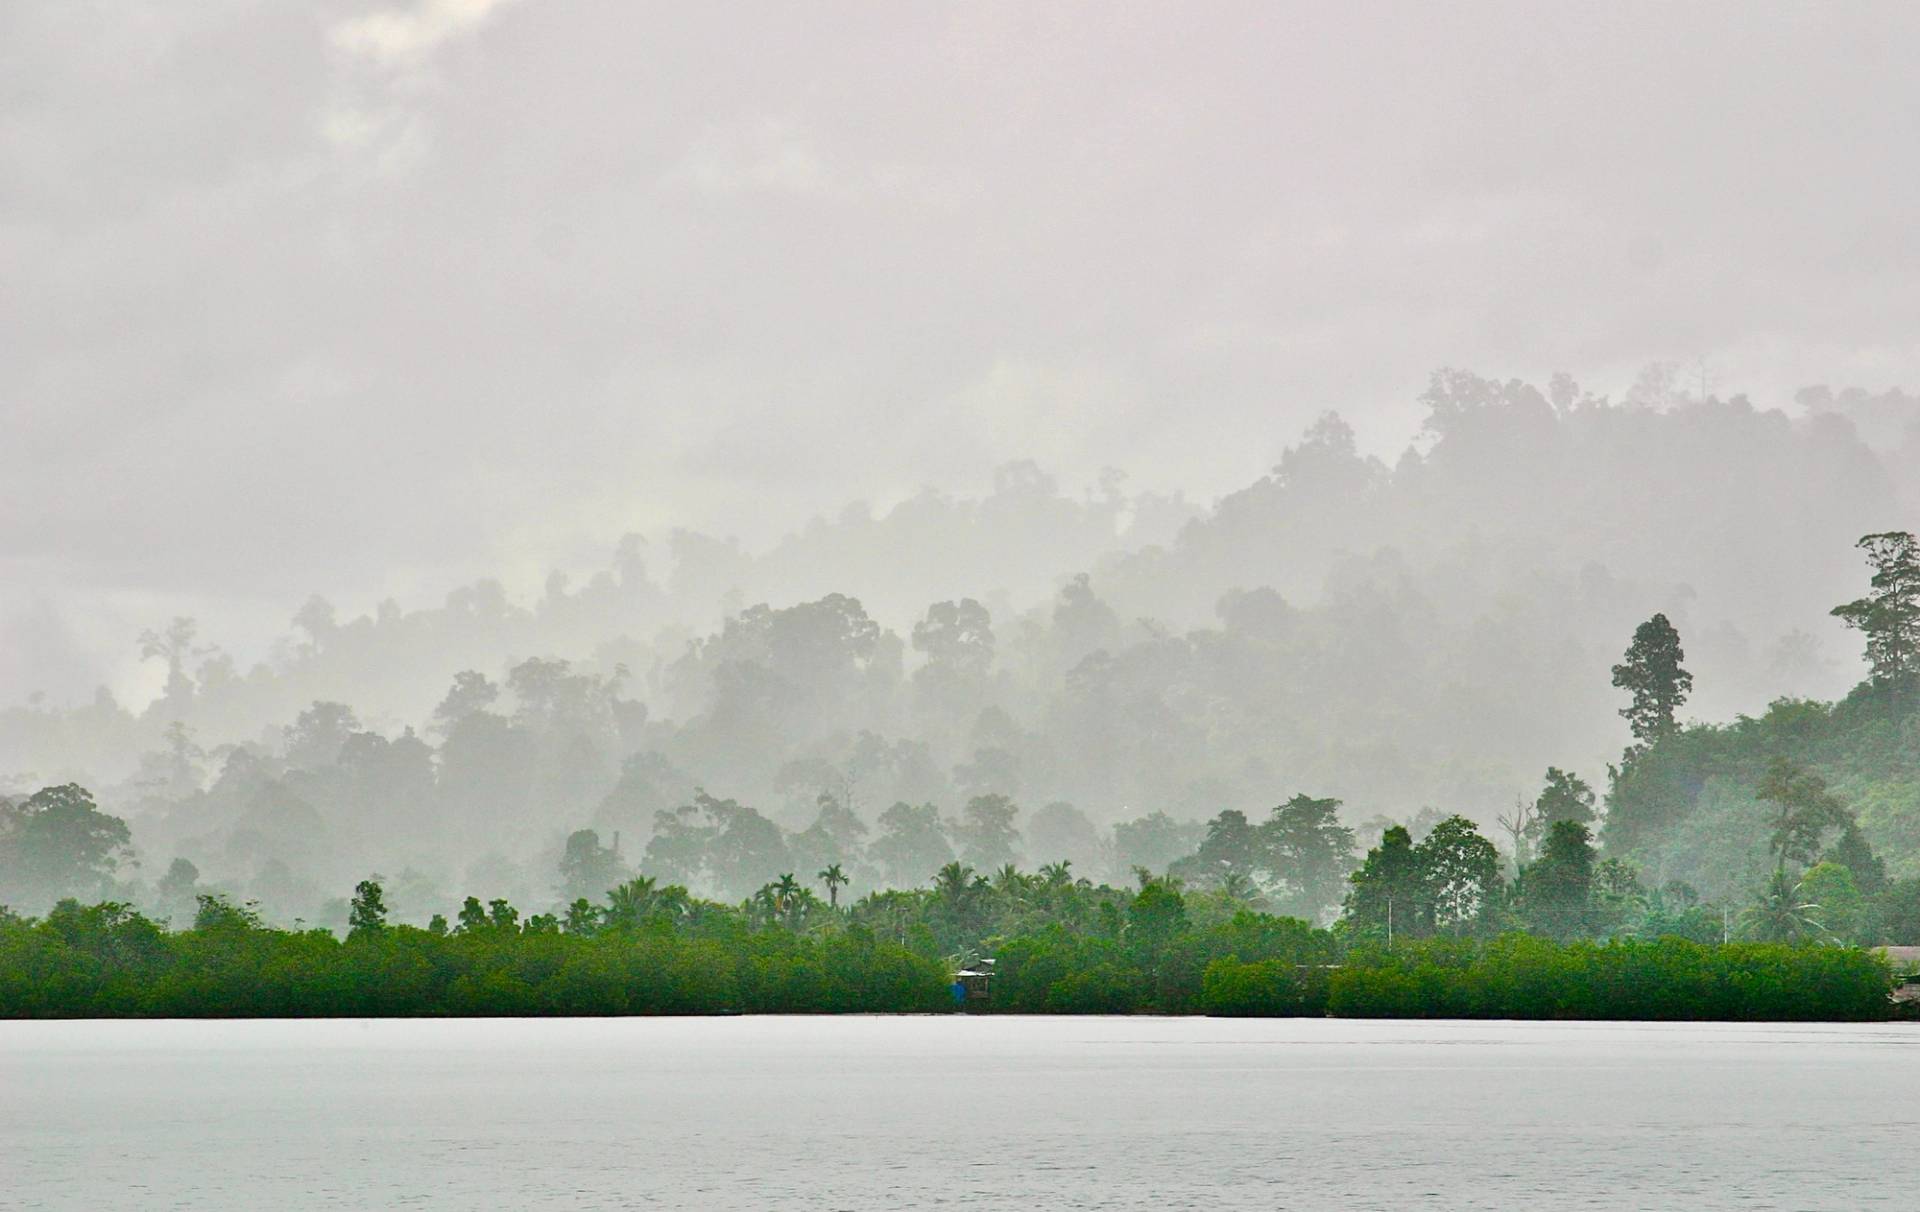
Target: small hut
1905, 962
973, 983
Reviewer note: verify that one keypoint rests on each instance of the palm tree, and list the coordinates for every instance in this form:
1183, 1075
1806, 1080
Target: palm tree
1783, 914
953, 881
835, 879
1239, 889
1008, 881
1057, 875
631, 901
763, 907
786, 890
1148, 879
672, 902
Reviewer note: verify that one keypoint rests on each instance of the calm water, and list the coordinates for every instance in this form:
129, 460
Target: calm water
905, 1113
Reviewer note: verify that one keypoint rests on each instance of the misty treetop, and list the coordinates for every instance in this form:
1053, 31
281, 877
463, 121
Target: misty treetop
57, 843
1517, 535
1442, 876
1653, 675
1806, 785
1247, 695
1432, 920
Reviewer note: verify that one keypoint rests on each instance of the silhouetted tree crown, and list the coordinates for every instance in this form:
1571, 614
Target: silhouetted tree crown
1889, 616
1652, 674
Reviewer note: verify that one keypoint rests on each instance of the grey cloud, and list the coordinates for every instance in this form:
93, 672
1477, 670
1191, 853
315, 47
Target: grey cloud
350, 297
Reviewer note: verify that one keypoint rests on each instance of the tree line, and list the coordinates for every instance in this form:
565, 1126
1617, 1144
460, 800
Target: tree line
655, 951
1422, 887
1403, 633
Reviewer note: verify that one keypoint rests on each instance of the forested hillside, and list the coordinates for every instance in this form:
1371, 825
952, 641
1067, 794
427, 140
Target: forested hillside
1031, 676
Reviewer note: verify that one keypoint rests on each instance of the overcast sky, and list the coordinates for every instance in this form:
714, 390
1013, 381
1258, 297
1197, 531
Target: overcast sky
371, 298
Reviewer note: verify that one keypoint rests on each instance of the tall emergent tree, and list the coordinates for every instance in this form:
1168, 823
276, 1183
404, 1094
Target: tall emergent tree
1462, 872
587, 868
1310, 852
1565, 797
835, 879
1802, 812
57, 843
1651, 672
1556, 891
1389, 895
368, 914
1231, 847
1889, 616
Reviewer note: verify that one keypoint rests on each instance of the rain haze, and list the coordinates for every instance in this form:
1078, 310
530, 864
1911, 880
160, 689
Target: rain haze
873, 605
370, 300
1129, 411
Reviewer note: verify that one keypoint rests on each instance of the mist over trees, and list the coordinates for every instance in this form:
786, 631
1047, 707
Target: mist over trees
1345, 655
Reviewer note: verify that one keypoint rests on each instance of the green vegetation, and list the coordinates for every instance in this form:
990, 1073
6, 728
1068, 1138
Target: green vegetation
1736, 873
1518, 976
1889, 616
109, 961
655, 951
1780, 821
1429, 632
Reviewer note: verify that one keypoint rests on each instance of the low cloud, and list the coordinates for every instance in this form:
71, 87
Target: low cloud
406, 36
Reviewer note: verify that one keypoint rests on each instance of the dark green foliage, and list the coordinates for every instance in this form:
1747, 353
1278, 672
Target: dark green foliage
1296, 861
1651, 672
1675, 911
1889, 616
107, 960
1263, 989
1744, 810
1898, 907
1844, 912
834, 878
1519, 976
1785, 912
1450, 881
1691, 807
1566, 797
1801, 811
1059, 973
636, 903
1556, 891
1160, 963
1309, 854
1230, 847
1157, 916
1850, 850
1461, 870
1390, 897
368, 913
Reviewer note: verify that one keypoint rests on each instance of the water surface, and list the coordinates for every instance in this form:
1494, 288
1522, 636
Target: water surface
911, 1113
